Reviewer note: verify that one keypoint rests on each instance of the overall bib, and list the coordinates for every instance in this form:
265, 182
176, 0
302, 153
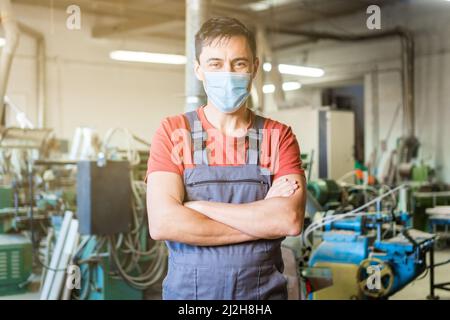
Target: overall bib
249, 270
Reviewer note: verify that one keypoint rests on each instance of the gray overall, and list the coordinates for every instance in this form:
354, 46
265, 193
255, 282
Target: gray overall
250, 270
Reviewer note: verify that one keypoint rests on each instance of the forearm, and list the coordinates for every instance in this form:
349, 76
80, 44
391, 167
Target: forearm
182, 224
270, 219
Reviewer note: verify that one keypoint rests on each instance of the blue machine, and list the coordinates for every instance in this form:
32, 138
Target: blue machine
350, 246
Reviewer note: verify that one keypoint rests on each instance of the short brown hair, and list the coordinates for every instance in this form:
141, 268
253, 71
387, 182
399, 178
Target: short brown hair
220, 28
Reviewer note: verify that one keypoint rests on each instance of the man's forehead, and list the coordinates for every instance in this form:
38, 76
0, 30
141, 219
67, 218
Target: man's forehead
235, 46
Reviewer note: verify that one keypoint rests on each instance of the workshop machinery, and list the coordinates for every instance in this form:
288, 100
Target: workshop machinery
371, 251
39, 186
439, 224
15, 263
22, 223
425, 197
116, 257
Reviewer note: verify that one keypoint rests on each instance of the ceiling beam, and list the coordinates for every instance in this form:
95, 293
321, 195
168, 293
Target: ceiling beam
161, 27
132, 25
113, 8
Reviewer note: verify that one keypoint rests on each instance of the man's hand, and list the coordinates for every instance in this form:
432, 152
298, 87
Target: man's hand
283, 187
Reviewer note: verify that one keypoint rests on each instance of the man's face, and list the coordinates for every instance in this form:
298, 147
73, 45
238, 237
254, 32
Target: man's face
229, 54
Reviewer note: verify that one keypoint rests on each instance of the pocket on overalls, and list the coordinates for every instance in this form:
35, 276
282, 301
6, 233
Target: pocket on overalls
215, 283
272, 284
179, 284
247, 283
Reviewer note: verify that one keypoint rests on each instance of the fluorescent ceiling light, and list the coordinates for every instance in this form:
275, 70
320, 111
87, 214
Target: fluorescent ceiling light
268, 88
267, 66
2, 42
287, 86
300, 71
291, 86
266, 4
295, 70
141, 56
193, 99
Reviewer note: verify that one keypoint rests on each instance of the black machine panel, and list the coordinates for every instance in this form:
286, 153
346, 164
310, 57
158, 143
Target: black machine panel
104, 197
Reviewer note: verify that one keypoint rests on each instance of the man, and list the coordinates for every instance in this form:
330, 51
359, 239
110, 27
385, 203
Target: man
225, 186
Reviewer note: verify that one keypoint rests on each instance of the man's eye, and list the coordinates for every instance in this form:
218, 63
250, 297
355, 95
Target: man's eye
214, 65
241, 65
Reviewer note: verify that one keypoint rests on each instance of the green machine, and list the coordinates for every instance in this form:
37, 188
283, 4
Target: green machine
6, 201
15, 250
15, 263
99, 280
422, 200
327, 192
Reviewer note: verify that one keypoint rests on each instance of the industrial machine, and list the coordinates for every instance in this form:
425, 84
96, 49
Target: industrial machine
22, 222
107, 238
114, 254
116, 257
371, 251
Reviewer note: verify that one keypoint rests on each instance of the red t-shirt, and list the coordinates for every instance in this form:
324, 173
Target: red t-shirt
171, 148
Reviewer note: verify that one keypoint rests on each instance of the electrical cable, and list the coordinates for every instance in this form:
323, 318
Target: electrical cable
352, 213
440, 263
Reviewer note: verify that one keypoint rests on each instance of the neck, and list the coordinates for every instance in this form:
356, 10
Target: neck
232, 124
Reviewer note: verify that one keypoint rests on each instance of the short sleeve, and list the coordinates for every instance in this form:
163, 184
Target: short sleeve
161, 151
289, 154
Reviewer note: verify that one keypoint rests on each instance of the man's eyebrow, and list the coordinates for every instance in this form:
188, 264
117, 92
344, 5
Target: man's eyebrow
241, 58
214, 59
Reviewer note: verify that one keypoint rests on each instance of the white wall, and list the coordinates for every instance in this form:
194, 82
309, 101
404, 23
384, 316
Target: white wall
85, 87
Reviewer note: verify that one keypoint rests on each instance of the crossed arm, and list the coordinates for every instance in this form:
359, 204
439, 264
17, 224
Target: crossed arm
206, 223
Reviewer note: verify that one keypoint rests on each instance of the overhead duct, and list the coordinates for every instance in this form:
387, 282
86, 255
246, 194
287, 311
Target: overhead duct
196, 15
11, 29
407, 57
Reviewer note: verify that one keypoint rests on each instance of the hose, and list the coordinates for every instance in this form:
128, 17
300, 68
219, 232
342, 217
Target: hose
132, 154
316, 225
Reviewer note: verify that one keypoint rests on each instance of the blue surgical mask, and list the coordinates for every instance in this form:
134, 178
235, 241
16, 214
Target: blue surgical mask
227, 90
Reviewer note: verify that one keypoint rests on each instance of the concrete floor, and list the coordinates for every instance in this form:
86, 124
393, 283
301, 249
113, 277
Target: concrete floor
417, 290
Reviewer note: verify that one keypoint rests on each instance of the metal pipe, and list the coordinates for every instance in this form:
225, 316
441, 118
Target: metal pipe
407, 43
196, 15
12, 35
266, 54
41, 90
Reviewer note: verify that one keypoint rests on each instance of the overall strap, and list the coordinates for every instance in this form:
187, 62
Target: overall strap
198, 136
255, 140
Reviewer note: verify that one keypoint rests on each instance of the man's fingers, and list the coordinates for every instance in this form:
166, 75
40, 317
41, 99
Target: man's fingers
289, 190
292, 190
284, 181
283, 189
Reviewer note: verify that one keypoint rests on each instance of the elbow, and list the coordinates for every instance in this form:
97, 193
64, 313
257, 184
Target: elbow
156, 234
295, 225
294, 230
157, 230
